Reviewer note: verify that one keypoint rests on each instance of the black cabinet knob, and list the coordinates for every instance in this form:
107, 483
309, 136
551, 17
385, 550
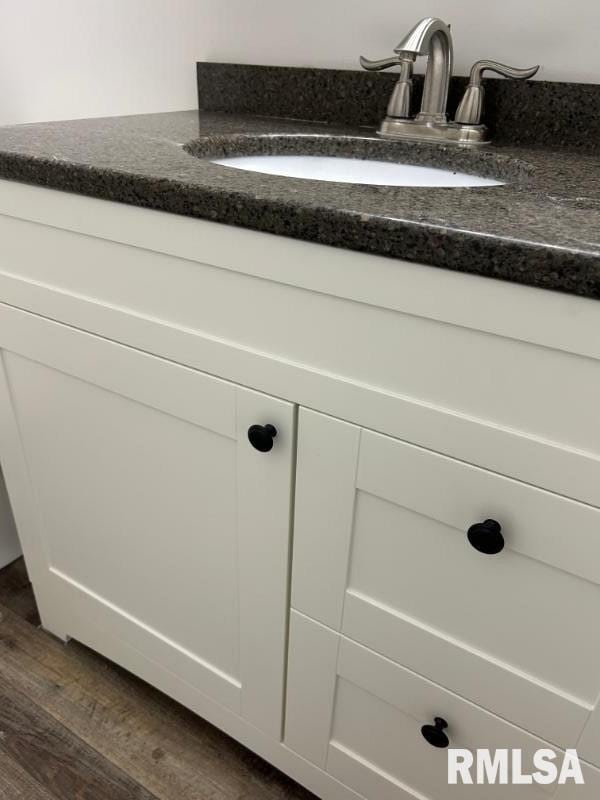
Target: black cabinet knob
486, 537
434, 734
261, 437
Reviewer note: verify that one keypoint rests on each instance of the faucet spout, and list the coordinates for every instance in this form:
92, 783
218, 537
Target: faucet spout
431, 37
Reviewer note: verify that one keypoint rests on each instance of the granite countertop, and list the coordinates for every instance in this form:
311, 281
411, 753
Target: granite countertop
542, 228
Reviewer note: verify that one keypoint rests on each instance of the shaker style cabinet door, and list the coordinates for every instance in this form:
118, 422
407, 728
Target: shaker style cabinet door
469, 578
151, 521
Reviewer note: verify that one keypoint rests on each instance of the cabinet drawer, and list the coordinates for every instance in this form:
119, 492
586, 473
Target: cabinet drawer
359, 716
381, 553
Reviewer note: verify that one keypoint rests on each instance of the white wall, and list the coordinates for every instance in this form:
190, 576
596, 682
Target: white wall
561, 35
61, 59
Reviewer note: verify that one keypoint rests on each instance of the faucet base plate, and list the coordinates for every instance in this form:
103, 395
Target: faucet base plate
443, 132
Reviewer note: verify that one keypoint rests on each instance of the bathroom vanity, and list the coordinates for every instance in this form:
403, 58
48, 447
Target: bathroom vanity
322, 497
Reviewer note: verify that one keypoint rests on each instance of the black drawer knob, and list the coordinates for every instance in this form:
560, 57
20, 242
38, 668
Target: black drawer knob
434, 734
261, 437
486, 537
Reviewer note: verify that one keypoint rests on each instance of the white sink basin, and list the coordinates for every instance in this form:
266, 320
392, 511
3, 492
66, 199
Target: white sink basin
354, 170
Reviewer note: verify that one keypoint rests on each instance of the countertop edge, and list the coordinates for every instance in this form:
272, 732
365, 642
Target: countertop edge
468, 252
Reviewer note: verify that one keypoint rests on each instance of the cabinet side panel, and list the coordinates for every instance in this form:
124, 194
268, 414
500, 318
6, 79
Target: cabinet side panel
25, 507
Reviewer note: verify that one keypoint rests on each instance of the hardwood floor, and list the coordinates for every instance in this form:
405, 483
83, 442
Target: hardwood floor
74, 726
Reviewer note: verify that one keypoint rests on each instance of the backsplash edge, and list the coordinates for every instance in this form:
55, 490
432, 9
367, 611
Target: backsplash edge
529, 113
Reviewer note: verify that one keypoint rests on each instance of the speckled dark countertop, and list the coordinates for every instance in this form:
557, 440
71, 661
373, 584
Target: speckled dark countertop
541, 229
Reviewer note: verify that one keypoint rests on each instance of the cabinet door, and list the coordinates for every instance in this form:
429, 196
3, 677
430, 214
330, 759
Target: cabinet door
381, 553
147, 517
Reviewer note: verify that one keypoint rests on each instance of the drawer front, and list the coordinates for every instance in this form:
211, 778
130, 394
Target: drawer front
363, 723
382, 554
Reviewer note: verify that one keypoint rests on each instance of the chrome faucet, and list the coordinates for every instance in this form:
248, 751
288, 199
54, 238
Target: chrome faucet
431, 37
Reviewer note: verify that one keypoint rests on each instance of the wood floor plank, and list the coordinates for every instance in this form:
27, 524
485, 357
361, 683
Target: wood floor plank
164, 747
17, 784
55, 758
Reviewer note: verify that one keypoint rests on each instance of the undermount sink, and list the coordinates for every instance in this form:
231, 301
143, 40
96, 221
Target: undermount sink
354, 170
337, 157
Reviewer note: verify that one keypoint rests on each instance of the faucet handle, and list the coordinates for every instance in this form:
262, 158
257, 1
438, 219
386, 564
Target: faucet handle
399, 105
383, 63
471, 106
479, 67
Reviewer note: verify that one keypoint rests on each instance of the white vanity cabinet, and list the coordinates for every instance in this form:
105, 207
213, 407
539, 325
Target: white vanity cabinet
421, 541
149, 520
